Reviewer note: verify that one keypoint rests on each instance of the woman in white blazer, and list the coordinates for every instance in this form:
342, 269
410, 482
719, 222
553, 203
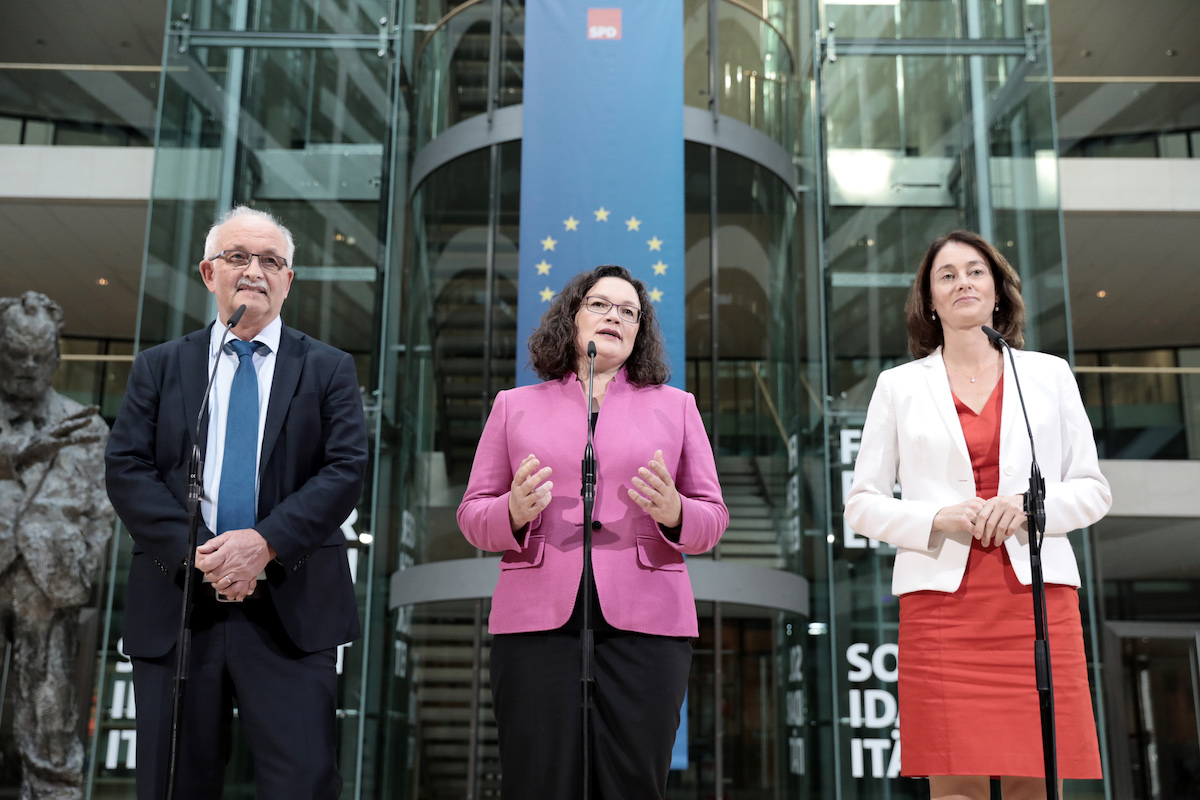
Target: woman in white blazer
948, 428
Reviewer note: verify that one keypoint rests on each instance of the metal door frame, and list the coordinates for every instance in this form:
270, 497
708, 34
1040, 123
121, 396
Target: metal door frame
1120, 763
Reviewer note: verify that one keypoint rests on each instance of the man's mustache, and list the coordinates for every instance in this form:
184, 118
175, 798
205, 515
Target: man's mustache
245, 283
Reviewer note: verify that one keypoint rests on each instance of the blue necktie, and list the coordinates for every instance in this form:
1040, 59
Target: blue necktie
235, 501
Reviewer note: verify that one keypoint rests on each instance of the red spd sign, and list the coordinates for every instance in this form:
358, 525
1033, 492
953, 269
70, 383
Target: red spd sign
604, 23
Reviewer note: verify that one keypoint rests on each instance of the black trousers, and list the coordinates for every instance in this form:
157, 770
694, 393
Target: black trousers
286, 701
640, 685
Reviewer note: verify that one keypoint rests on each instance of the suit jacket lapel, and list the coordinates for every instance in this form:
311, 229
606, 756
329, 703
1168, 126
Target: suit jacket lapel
193, 377
943, 400
289, 363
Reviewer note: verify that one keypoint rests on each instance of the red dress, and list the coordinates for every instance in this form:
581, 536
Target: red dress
968, 699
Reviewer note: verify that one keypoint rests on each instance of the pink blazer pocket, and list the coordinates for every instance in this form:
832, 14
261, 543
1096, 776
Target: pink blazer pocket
529, 556
657, 554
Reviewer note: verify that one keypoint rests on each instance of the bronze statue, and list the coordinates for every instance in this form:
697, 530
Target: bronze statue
55, 520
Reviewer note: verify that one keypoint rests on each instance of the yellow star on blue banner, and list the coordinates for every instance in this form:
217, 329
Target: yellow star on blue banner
548, 243
547, 294
543, 267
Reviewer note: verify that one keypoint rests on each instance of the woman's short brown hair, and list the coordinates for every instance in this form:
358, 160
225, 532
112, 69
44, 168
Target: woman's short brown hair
925, 333
552, 352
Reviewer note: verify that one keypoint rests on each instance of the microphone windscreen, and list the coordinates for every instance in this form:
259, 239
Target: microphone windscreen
236, 316
993, 335
591, 349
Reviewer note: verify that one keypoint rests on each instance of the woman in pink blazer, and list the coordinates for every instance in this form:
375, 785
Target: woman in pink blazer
657, 498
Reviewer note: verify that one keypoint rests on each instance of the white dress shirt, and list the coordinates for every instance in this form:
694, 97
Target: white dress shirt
218, 400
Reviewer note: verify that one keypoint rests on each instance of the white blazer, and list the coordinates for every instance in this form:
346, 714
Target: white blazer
912, 435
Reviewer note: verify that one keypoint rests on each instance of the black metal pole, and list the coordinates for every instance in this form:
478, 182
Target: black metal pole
183, 641
183, 646
1035, 513
1035, 516
586, 636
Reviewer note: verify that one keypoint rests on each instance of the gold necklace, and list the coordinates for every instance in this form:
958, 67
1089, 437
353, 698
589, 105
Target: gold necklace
965, 375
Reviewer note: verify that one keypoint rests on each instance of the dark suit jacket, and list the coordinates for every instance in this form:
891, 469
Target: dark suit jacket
311, 469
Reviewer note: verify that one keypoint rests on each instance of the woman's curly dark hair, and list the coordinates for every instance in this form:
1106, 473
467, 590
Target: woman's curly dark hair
552, 352
925, 334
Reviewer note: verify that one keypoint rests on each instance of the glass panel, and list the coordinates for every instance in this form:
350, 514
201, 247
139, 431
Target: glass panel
301, 133
1126, 120
754, 66
1138, 415
309, 147
452, 70
344, 17
512, 54
452, 376
94, 108
94, 371
903, 167
757, 326
908, 19
753, 649
695, 54
10, 130
902, 170
1162, 700
431, 690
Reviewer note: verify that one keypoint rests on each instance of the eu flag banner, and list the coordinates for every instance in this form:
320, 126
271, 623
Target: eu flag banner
602, 156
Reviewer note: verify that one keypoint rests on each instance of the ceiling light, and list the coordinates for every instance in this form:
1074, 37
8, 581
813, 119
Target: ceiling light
1102, 294
102, 281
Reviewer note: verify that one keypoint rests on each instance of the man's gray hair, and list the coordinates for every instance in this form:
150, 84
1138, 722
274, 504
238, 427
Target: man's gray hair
210, 241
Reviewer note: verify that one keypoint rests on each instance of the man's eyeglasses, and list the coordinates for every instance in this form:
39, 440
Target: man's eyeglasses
599, 305
239, 259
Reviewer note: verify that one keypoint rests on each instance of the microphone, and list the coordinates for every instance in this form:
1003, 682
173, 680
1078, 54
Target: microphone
589, 458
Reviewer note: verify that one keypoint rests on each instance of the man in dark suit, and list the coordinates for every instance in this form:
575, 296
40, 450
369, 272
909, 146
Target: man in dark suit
285, 452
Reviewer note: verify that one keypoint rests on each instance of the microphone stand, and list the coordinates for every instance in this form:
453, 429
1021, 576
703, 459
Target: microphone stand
1035, 515
183, 648
586, 637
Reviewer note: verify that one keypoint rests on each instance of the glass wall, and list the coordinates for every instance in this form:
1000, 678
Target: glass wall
935, 116
257, 108
846, 136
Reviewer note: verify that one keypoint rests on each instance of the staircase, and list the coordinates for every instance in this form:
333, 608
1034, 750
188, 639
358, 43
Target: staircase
442, 674
751, 537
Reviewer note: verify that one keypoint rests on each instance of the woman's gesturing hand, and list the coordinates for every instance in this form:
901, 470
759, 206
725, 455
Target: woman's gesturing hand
999, 519
530, 492
654, 490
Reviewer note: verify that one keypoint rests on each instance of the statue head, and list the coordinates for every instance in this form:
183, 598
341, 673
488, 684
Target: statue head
29, 330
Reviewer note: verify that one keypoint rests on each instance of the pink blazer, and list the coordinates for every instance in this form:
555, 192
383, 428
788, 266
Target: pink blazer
641, 578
